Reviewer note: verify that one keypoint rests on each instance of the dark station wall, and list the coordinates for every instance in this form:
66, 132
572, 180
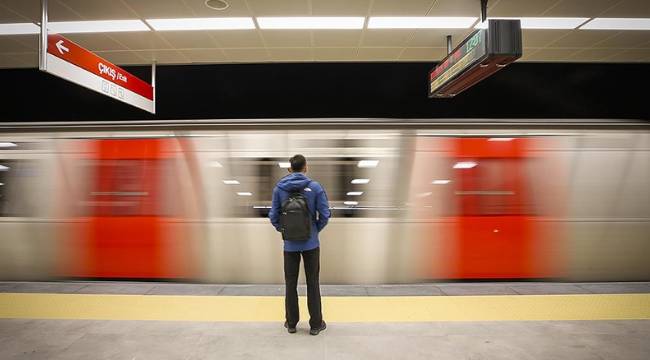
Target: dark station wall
379, 90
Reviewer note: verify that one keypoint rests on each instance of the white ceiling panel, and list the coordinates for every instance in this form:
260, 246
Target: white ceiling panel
400, 8
379, 54
541, 38
237, 38
438, 37
10, 45
456, 8
189, 39
579, 8
633, 55
236, 8
335, 54
582, 39
247, 55
385, 37
97, 10
336, 38
626, 39
29, 41
590, 55
279, 7
96, 42
291, 54
286, 38
629, 8
519, 7
340, 7
549, 55
150, 9
26, 59
423, 54
141, 40
162, 56
121, 57
205, 56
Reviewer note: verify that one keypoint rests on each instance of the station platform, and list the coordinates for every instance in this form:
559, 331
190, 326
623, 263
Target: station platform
146, 320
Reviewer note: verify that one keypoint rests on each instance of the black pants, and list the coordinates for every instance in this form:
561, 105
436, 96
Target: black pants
312, 269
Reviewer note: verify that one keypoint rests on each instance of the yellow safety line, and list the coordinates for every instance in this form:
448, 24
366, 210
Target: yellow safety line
335, 309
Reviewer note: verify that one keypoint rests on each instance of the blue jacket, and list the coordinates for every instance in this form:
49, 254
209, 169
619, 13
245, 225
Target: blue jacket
316, 201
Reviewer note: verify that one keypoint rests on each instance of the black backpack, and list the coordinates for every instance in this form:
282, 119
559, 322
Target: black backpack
295, 218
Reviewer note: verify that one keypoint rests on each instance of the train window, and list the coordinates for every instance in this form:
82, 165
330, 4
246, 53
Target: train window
17, 179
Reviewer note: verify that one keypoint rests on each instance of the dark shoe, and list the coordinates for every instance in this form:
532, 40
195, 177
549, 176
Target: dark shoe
323, 326
291, 330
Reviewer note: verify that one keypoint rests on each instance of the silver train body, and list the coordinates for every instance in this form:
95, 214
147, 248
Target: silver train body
591, 183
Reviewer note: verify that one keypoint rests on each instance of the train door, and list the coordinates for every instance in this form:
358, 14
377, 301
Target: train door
495, 226
125, 218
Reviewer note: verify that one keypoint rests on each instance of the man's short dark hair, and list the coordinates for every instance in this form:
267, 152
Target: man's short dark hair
298, 163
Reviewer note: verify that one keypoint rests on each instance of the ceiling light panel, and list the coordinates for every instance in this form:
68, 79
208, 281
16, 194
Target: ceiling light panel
617, 24
284, 165
311, 22
231, 182
351, 203
19, 29
96, 26
360, 181
420, 22
541, 22
354, 193
7, 145
220, 23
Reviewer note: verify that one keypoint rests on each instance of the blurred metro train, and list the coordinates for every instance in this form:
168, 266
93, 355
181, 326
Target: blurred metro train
409, 204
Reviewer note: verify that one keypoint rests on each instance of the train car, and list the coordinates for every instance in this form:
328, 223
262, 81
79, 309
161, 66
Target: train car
559, 203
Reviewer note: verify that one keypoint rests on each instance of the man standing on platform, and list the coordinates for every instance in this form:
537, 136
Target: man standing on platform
299, 211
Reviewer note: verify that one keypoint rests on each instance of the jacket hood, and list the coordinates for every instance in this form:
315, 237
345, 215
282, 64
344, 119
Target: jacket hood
294, 182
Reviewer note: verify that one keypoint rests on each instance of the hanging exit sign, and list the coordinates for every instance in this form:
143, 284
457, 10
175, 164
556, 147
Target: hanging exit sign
72, 62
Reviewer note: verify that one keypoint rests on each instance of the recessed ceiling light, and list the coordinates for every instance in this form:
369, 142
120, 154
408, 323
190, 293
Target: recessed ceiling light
218, 5
464, 165
311, 22
441, 182
617, 24
231, 182
284, 165
96, 26
261, 207
541, 22
7, 145
354, 193
19, 29
368, 163
420, 22
4, 168
500, 139
351, 203
220, 23
244, 193
360, 181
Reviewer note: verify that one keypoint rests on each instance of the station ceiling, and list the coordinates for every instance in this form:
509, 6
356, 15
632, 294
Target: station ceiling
258, 45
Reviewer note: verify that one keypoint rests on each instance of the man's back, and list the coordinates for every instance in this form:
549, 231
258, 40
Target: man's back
316, 202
